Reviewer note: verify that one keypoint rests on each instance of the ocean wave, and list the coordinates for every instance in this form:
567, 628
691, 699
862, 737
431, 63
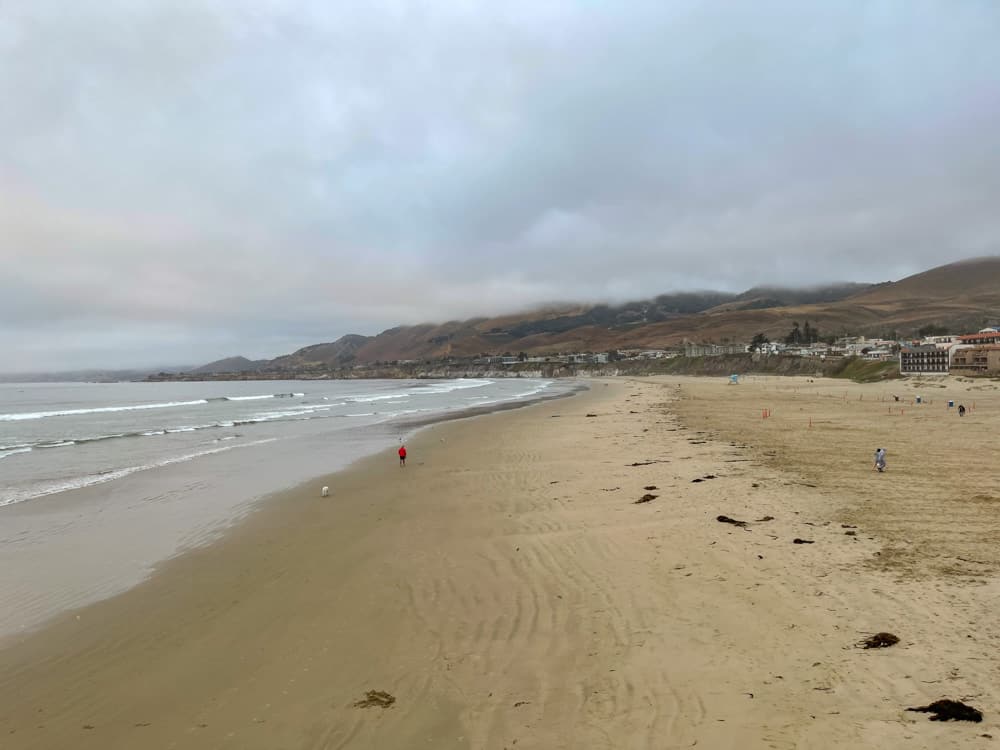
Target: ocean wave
117, 436
533, 391
111, 475
289, 413
14, 446
453, 385
368, 399
19, 416
256, 397
394, 414
14, 451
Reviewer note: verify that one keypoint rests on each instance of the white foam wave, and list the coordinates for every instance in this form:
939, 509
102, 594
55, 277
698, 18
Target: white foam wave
259, 397
534, 391
110, 476
394, 414
12, 446
453, 385
14, 452
16, 417
369, 399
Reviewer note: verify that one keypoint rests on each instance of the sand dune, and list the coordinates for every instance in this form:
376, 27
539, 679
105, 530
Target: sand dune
508, 591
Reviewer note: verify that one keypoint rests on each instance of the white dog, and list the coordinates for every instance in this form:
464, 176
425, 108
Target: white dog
326, 492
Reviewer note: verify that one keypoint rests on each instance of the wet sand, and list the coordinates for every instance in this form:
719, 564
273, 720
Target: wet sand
508, 591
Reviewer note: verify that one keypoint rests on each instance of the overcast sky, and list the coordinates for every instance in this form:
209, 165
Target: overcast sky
182, 180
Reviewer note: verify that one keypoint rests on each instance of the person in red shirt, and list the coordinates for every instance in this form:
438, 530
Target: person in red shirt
402, 455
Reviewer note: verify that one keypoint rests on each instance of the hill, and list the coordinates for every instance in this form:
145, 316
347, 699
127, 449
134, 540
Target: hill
230, 364
960, 296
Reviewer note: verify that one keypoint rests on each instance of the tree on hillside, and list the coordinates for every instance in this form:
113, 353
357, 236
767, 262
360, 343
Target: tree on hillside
932, 330
758, 342
805, 335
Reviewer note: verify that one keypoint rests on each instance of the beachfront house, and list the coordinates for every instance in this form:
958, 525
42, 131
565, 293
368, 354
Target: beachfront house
976, 360
923, 359
858, 345
942, 342
712, 350
984, 337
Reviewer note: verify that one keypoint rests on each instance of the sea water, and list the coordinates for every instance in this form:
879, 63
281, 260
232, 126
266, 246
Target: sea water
99, 482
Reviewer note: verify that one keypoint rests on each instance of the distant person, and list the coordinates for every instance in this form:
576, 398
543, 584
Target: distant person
961, 410
402, 455
879, 460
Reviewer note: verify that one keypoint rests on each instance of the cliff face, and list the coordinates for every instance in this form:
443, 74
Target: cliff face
723, 366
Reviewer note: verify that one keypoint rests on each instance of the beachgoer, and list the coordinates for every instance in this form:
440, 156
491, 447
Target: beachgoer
961, 410
402, 455
879, 460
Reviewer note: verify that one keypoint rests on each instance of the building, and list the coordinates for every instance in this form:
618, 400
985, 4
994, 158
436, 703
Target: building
976, 360
924, 359
942, 342
712, 350
984, 338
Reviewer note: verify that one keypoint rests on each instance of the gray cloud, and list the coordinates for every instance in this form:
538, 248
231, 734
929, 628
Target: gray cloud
186, 180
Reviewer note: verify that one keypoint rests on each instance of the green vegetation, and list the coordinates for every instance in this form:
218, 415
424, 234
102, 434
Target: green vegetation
933, 330
806, 336
852, 368
864, 371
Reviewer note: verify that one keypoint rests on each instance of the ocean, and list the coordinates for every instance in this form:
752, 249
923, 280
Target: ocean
100, 482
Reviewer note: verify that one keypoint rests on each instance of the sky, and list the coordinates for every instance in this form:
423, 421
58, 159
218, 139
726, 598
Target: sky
183, 180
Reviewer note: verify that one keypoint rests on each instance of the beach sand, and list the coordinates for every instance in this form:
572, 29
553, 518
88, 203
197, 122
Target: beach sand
508, 591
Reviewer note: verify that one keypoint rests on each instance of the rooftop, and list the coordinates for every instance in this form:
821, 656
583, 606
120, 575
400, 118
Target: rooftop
981, 335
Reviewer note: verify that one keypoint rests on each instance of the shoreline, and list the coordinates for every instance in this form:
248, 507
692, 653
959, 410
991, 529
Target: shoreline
89, 630
69, 549
507, 586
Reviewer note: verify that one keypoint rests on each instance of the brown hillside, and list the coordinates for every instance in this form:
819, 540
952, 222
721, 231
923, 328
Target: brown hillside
963, 296
968, 280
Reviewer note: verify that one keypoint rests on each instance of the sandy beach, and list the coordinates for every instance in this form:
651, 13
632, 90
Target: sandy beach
508, 590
